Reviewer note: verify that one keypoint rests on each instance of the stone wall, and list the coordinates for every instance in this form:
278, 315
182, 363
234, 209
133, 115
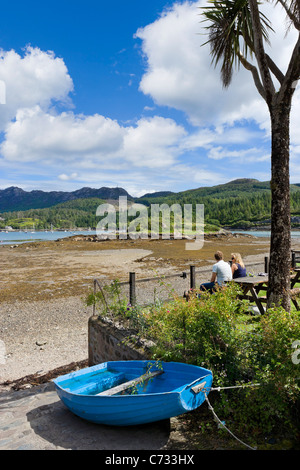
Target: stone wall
110, 342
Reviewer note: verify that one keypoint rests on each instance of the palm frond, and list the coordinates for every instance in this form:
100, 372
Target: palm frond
230, 33
292, 9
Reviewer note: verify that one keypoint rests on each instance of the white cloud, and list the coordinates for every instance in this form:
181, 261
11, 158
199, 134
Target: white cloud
90, 141
176, 66
64, 177
2, 92
248, 155
224, 135
179, 72
153, 142
180, 75
36, 78
151, 154
36, 135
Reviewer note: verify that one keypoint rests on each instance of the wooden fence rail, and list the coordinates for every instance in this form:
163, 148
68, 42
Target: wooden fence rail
133, 281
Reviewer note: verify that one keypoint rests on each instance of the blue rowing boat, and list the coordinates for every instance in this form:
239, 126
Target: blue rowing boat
124, 393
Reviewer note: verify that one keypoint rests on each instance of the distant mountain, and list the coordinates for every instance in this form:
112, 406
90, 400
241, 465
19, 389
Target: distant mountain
239, 203
236, 188
242, 187
16, 199
242, 203
158, 194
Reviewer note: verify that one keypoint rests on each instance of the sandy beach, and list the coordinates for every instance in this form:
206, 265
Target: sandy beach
43, 317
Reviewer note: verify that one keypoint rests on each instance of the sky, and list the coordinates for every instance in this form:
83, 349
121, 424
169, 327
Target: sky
124, 94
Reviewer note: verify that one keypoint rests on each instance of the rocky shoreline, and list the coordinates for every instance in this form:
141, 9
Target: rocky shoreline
225, 234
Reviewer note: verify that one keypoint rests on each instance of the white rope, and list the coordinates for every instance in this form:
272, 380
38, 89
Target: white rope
223, 425
218, 389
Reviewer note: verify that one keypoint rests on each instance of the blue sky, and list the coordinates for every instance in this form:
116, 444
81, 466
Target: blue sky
122, 94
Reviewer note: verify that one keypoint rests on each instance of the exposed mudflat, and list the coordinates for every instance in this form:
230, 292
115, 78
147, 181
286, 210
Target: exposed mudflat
43, 270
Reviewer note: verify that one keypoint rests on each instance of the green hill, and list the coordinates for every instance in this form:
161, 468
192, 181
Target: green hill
13, 198
242, 203
67, 215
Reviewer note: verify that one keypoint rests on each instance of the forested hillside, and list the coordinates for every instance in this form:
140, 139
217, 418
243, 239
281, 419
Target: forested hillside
241, 203
13, 198
68, 215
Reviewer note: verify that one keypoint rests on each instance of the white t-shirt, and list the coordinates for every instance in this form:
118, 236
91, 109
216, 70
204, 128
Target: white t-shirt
223, 271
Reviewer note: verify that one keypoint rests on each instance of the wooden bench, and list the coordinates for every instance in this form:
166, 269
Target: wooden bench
294, 293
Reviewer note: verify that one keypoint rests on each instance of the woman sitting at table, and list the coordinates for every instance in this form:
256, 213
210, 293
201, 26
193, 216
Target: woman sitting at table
237, 267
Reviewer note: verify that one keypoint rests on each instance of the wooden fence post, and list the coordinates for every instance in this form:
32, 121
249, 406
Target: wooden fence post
266, 264
132, 293
293, 259
193, 278
94, 303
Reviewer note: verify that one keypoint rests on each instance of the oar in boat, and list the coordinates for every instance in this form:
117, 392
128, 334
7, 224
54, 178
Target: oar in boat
131, 383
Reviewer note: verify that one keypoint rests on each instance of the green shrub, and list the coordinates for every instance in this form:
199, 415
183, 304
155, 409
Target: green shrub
199, 331
214, 333
241, 350
108, 300
268, 361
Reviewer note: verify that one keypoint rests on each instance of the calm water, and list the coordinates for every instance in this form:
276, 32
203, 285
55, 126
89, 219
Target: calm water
294, 234
15, 238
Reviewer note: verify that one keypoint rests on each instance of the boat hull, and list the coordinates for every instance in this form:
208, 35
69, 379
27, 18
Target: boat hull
170, 394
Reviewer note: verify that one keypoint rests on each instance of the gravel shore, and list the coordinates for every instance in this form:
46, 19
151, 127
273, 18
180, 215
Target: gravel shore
42, 335
43, 317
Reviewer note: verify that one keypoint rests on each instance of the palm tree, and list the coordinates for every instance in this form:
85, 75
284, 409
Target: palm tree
237, 33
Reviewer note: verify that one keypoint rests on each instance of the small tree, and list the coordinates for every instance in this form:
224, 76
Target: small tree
238, 32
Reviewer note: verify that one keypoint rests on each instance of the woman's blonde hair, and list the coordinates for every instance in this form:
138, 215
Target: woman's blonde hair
238, 259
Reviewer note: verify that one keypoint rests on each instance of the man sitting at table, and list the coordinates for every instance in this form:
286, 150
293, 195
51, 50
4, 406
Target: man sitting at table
221, 272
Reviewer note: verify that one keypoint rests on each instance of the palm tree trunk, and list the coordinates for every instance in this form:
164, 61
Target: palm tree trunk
280, 248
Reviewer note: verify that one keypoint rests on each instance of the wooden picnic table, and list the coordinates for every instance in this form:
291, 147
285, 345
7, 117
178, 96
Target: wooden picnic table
295, 278
252, 285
